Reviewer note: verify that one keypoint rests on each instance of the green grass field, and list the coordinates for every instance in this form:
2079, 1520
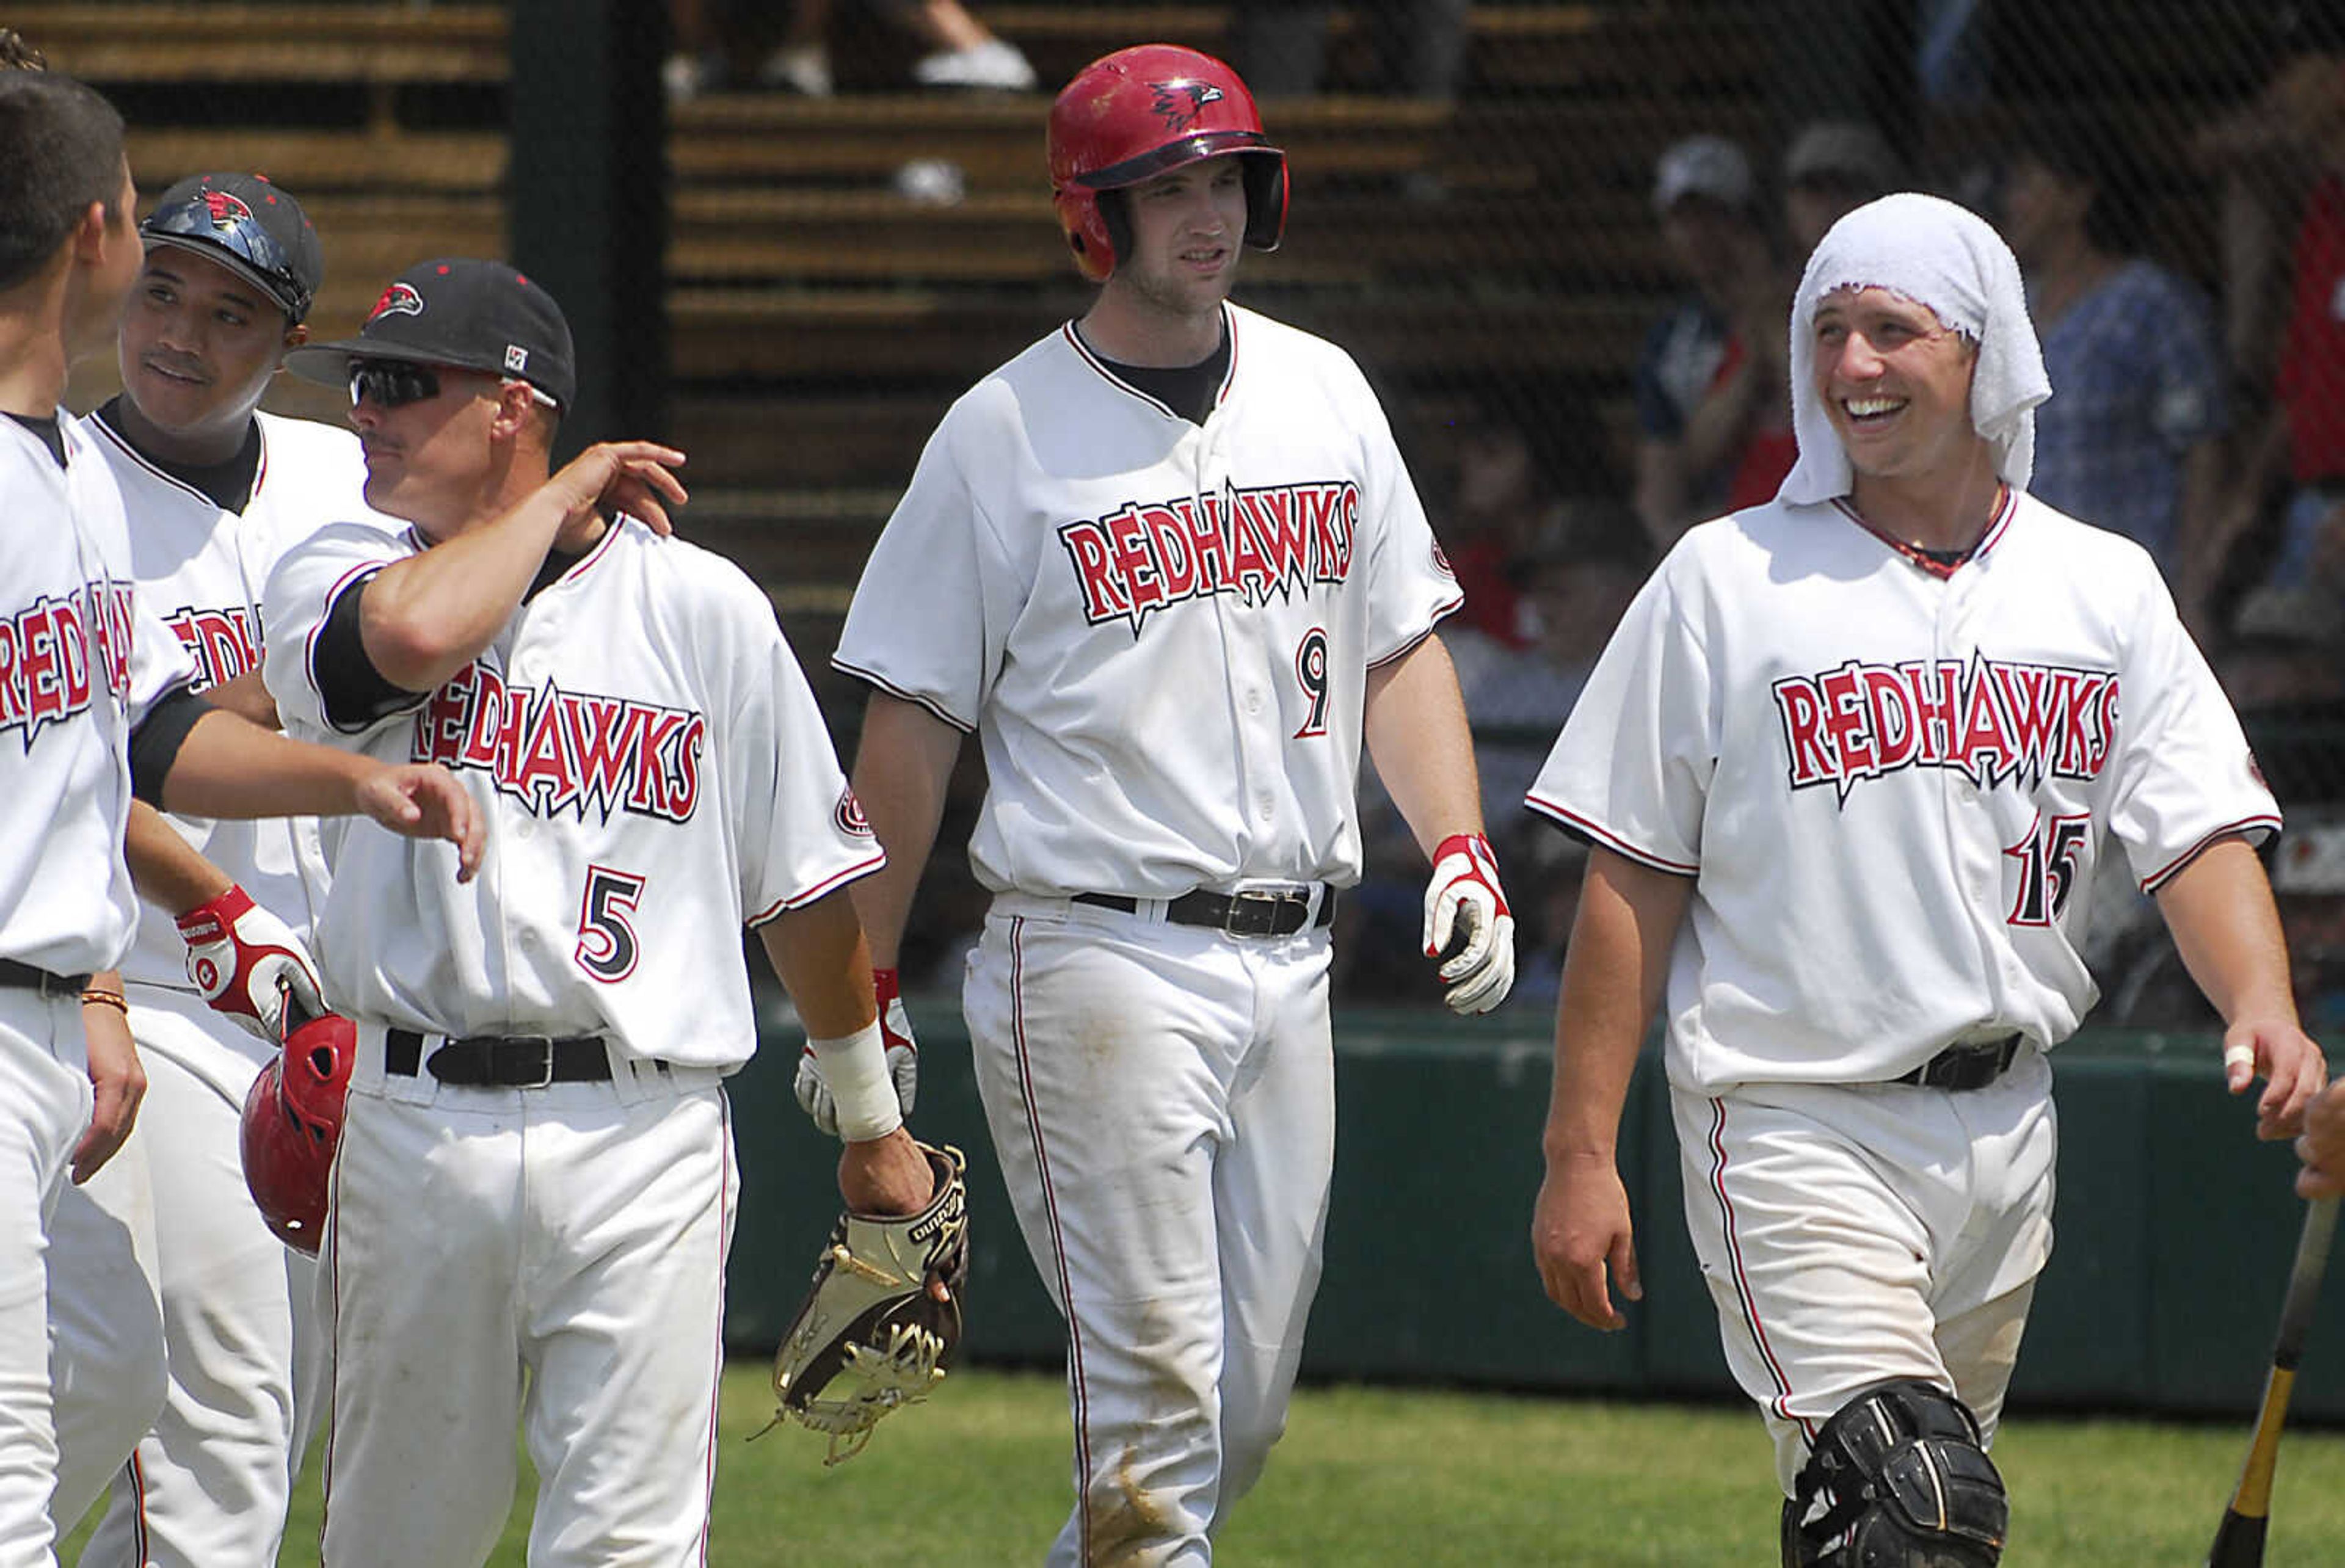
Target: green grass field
1373, 1476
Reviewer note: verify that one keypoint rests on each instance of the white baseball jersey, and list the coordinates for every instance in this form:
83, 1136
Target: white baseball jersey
653, 771
81, 663
201, 569
1894, 788
1158, 630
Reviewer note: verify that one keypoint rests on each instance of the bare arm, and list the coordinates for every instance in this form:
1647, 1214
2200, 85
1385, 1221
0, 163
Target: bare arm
169, 873
901, 771
2219, 909
1414, 726
426, 617
248, 698
818, 953
1660, 493
1613, 972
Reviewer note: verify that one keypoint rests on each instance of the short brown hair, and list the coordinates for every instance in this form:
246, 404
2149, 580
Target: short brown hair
65, 152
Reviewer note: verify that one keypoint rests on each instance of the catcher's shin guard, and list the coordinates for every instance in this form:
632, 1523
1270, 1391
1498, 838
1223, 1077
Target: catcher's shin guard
871, 1335
1897, 1480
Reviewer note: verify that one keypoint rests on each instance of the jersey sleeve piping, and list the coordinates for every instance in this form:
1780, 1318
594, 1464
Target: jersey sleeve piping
2257, 830
828, 884
964, 725
340, 723
1441, 612
1582, 827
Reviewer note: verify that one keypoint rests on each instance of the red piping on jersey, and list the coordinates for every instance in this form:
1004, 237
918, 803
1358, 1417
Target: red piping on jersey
259, 473
2173, 868
1781, 1403
596, 552
1076, 1388
309, 643
1229, 377
799, 900
2006, 506
1606, 838
860, 673
1441, 612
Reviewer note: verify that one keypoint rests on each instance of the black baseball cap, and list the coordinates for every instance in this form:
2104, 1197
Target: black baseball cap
457, 310
248, 226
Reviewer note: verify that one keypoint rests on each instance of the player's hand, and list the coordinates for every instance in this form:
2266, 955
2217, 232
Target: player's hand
903, 1059
2292, 1067
425, 800
885, 1175
633, 477
1465, 897
117, 1083
245, 961
2321, 1147
1580, 1234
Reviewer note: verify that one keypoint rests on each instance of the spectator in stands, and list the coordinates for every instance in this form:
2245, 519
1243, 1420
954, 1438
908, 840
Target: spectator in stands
1502, 505
962, 52
2291, 139
16, 54
1280, 46
1832, 168
2132, 439
1725, 336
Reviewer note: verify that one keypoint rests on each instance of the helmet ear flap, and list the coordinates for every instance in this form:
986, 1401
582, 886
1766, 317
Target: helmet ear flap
1265, 194
1087, 234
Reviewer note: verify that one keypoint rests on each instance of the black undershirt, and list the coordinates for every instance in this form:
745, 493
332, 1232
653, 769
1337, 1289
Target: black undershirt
356, 693
228, 484
1189, 391
51, 436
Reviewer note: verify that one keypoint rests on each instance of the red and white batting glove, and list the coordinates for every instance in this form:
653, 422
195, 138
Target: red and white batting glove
1463, 896
238, 954
903, 1059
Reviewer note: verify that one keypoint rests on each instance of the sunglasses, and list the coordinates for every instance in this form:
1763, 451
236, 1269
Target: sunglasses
395, 383
229, 225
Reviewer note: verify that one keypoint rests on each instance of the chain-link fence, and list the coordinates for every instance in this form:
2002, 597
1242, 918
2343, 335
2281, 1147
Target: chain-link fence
1560, 237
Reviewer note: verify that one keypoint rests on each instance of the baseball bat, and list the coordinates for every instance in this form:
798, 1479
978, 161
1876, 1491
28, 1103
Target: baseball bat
2240, 1539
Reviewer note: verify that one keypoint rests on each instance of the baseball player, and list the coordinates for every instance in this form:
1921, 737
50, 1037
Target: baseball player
95, 693
1168, 567
534, 1189
214, 490
1849, 767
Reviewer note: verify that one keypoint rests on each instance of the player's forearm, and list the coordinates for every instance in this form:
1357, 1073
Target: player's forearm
902, 770
424, 618
1614, 970
229, 767
2220, 909
168, 871
819, 955
1414, 725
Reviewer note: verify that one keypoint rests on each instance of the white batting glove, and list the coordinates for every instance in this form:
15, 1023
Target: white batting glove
1465, 897
903, 1059
245, 961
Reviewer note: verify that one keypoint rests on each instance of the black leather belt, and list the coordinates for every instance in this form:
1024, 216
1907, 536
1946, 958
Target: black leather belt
25, 976
500, 1061
1263, 913
1970, 1067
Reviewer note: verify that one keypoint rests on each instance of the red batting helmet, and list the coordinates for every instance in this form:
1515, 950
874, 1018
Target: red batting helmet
1139, 112
292, 1124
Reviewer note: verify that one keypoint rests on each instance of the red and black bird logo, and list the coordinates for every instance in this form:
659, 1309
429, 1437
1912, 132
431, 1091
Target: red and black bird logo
1179, 103
399, 299
227, 211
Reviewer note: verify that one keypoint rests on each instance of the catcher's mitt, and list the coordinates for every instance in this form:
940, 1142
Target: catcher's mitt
871, 1335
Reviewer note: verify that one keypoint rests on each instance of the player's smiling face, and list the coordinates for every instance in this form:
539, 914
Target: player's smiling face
428, 460
1895, 383
1187, 225
198, 344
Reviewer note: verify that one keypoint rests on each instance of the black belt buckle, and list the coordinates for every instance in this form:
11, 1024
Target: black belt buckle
1970, 1067
1256, 912
512, 1055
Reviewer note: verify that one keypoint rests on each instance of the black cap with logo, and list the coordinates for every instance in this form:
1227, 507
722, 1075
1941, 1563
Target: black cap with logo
471, 314
248, 226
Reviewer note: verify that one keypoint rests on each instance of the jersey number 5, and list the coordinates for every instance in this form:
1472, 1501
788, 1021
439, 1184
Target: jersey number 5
2048, 868
606, 943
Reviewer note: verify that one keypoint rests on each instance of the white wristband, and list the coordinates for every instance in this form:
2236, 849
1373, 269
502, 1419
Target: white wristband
855, 1070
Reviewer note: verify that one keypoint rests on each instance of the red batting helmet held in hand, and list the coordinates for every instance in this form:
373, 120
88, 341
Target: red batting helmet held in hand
292, 1124
1131, 116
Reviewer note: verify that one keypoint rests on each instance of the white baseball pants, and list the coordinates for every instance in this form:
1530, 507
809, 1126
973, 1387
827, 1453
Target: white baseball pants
1852, 1234
552, 1257
245, 1354
1162, 1099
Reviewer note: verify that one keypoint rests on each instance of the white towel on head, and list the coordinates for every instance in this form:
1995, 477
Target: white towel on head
1944, 256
